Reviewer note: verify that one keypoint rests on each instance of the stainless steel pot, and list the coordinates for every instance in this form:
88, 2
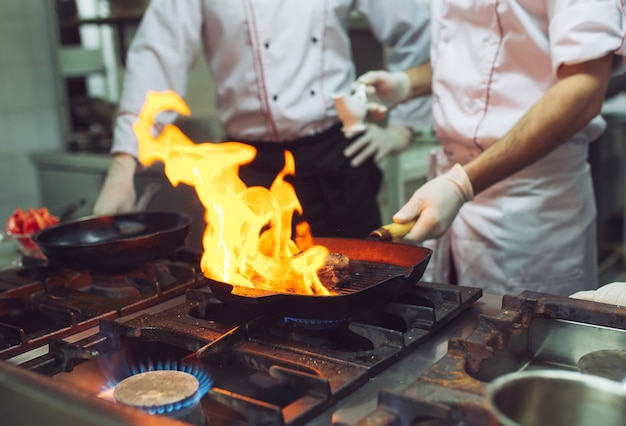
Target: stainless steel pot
556, 398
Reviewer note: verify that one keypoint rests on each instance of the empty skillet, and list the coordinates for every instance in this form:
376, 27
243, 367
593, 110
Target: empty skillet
113, 242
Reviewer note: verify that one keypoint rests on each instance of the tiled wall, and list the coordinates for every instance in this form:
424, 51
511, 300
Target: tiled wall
30, 108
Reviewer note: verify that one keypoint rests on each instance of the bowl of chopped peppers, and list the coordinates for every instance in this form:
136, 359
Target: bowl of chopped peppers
23, 224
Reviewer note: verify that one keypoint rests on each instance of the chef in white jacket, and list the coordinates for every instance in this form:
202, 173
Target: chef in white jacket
517, 89
276, 65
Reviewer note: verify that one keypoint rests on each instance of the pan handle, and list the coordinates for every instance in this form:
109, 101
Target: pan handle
392, 231
65, 211
146, 196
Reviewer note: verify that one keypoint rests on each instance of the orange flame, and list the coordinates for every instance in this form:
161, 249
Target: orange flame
247, 241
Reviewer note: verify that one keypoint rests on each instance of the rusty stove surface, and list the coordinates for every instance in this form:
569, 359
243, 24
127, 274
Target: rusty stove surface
452, 391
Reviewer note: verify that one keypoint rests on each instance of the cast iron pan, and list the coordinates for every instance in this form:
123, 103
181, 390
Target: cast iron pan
379, 272
114, 242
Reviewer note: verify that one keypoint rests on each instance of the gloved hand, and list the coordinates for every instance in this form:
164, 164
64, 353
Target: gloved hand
614, 294
385, 90
435, 205
118, 192
377, 142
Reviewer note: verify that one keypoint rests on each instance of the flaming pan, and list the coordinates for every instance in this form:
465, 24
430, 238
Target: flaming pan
379, 272
113, 242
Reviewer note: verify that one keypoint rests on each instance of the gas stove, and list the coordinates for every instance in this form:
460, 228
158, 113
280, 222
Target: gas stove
80, 347
40, 302
530, 331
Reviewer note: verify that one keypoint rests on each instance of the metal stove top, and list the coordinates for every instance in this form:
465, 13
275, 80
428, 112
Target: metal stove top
41, 303
87, 334
531, 331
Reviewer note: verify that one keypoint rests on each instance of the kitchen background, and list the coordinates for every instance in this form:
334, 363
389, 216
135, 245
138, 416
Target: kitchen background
31, 116
61, 66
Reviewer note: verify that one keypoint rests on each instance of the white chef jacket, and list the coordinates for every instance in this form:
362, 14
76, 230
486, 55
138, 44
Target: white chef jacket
275, 63
536, 229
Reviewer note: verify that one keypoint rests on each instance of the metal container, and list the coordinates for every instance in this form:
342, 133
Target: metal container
556, 398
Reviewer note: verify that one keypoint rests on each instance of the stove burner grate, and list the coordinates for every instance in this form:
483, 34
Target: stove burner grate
40, 304
261, 367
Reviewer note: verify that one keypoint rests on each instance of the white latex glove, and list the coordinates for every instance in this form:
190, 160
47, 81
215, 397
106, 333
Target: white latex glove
377, 142
614, 294
385, 90
435, 205
118, 191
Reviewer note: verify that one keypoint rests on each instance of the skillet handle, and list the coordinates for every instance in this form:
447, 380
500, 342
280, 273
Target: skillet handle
65, 211
392, 231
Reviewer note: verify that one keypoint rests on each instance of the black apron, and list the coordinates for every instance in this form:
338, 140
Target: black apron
338, 200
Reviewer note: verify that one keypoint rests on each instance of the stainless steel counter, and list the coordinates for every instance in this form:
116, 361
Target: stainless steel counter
354, 407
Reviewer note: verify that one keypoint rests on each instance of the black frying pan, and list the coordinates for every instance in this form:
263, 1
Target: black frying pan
113, 242
379, 271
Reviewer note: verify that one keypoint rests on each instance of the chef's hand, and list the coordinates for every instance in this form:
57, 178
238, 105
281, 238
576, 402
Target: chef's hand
614, 294
377, 142
385, 90
118, 192
435, 205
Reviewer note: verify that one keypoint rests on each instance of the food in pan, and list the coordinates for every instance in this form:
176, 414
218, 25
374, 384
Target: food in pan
303, 236
336, 271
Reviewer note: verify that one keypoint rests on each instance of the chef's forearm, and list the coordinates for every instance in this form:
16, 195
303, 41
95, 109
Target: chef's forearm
421, 78
563, 111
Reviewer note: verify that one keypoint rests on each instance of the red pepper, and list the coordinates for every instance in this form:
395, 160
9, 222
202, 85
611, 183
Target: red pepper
21, 222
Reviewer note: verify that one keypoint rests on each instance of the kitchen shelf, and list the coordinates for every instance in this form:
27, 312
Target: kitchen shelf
120, 22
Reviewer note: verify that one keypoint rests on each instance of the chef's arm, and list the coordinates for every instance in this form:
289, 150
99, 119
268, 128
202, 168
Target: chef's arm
117, 194
420, 80
387, 89
563, 111
379, 142
160, 57
163, 51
